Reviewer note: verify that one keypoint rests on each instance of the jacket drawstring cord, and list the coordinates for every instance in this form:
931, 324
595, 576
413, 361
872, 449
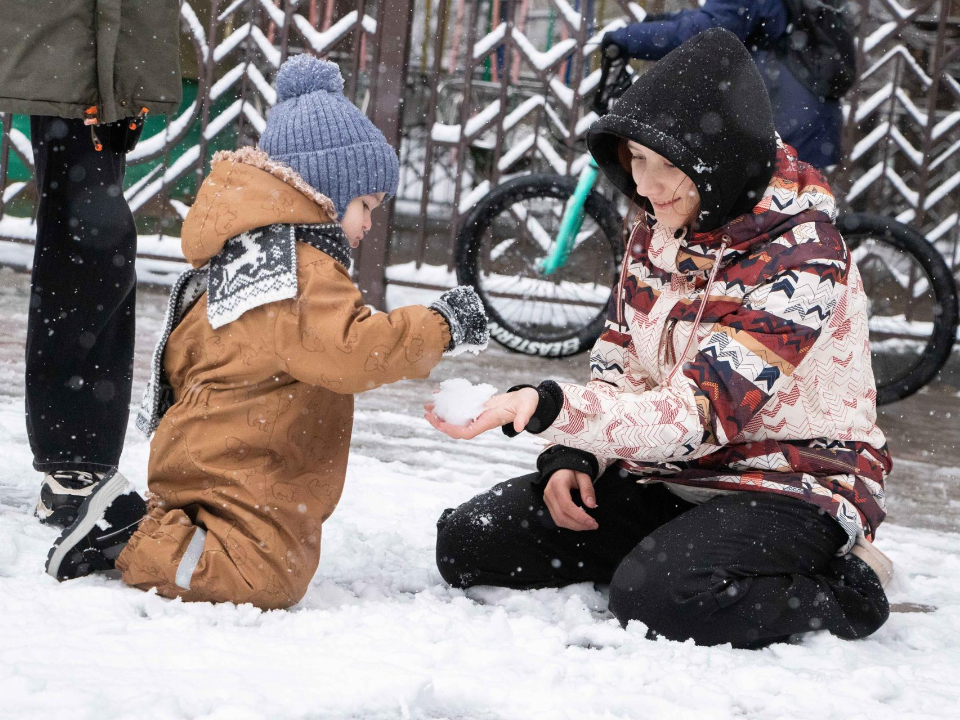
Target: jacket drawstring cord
92, 119
623, 272
703, 304
139, 119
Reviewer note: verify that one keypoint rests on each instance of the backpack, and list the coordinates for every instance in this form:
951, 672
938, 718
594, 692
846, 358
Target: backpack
818, 46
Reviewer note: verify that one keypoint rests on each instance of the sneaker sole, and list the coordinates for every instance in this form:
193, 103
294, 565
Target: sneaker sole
111, 487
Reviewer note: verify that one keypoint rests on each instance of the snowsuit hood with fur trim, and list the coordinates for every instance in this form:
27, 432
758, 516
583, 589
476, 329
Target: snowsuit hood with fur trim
242, 194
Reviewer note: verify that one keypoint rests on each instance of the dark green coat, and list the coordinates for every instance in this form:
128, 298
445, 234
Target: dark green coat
60, 57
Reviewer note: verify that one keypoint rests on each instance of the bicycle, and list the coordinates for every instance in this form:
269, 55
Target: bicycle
544, 252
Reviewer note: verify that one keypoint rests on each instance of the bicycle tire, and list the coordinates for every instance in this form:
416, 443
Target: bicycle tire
470, 238
859, 227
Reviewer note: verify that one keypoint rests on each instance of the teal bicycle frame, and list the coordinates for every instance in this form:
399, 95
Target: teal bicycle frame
571, 222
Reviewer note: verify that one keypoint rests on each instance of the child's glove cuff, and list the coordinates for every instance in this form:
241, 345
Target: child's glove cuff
462, 309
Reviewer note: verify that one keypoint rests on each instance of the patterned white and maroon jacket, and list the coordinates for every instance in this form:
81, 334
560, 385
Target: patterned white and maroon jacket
775, 393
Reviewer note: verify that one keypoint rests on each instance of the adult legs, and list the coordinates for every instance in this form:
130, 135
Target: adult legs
748, 569
80, 329
506, 536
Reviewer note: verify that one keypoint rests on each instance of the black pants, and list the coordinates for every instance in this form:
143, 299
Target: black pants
80, 331
747, 568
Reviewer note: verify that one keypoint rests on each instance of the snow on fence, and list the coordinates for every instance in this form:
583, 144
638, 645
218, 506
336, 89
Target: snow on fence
477, 91
902, 129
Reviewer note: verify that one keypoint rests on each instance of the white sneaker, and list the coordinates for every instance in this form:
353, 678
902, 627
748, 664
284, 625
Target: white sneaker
105, 522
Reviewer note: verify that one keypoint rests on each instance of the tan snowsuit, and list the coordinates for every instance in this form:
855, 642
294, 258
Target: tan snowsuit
250, 460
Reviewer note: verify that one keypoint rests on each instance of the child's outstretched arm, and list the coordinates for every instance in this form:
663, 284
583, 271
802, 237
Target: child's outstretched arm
328, 337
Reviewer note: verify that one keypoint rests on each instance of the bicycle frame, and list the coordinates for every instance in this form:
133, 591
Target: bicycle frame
571, 222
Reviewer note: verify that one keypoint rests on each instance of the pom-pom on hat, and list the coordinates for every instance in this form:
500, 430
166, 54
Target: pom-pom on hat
315, 130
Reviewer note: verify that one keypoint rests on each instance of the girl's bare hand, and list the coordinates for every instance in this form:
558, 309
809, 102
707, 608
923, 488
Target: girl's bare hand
516, 407
557, 496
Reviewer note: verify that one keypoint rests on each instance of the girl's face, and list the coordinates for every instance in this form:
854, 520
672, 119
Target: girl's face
672, 194
356, 221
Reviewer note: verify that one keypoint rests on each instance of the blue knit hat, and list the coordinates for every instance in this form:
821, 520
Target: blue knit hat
315, 130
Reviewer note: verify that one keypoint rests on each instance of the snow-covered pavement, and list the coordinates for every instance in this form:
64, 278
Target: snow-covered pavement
379, 635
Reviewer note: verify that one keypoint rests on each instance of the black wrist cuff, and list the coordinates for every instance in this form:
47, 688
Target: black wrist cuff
443, 309
548, 408
508, 428
560, 457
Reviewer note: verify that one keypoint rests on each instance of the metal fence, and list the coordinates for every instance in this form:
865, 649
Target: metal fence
902, 129
473, 91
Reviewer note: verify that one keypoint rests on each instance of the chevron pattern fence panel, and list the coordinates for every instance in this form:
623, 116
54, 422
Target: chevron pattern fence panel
902, 131
504, 86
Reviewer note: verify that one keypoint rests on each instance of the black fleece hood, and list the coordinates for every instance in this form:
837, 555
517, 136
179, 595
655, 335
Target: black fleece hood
704, 108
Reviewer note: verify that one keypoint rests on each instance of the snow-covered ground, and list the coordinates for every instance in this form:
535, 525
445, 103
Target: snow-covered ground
379, 635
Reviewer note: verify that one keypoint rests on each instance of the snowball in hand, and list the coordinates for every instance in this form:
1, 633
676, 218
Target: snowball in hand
459, 402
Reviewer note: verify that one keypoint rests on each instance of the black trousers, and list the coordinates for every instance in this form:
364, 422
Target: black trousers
80, 330
747, 568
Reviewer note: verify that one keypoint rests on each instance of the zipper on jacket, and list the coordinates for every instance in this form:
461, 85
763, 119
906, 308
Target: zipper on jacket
669, 354
623, 272
811, 454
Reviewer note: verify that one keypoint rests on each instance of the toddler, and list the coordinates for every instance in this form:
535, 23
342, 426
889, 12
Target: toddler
266, 341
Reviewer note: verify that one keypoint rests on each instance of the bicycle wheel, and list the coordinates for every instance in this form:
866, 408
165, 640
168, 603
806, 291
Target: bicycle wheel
498, 248
912, 301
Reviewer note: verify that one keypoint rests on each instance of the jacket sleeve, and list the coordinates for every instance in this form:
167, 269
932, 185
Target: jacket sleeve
328, 337
609, 360
653, 39
747, 356
608, 363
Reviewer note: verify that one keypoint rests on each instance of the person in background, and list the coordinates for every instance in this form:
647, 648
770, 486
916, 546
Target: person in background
808, 122
87, 74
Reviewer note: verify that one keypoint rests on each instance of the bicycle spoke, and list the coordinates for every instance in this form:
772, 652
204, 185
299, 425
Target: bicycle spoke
532, 227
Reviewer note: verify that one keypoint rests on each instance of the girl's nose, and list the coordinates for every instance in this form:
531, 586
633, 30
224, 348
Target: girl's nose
647, 183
